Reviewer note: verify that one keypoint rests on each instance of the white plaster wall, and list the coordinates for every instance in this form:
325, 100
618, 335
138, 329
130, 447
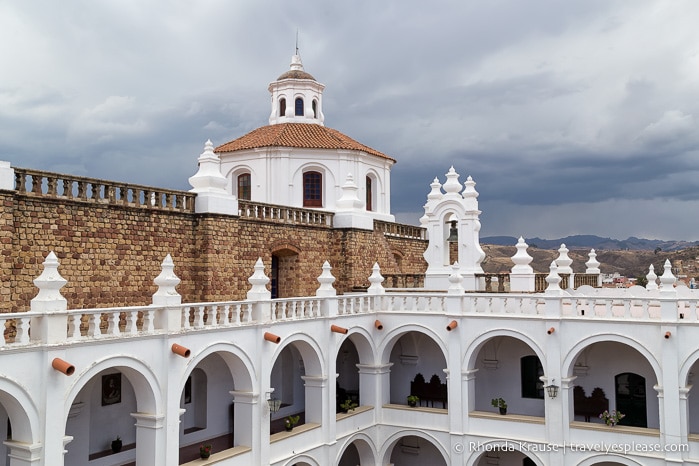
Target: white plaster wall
106, 422
505, 380
277, 175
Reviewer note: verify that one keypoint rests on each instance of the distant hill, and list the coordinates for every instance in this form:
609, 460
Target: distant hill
594, 242
630, 263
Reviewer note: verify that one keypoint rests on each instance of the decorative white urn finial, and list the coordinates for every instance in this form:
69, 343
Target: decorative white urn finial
553, 279
667, 279
651, 279
563, 262
592, 264
259, 281
167, 281
376, 279
522, 259
50, 282
326, 281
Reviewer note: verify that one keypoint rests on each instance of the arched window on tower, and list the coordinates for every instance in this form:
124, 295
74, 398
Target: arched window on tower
312, 189
299, 106
244, 186
315, 108
369, 194
282, 107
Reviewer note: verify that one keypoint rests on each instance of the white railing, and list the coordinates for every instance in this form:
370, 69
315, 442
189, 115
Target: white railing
124, 322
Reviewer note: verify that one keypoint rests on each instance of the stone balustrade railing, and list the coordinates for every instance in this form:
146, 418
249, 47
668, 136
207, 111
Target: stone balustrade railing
129, 322
58, 186
400, 230
284, 214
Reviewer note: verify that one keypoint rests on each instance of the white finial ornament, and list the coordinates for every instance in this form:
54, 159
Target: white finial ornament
667, 279
376, 279
167, 281
553, 279
563, 262
49, 283
326, 281
259, 281
651, 279
455, 280
592, 264
522, 259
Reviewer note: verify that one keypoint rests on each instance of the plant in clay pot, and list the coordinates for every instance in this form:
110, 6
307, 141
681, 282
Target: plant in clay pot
205, 451
500, 404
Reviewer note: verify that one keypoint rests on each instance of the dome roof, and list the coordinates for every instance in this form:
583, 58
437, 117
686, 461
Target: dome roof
296, 74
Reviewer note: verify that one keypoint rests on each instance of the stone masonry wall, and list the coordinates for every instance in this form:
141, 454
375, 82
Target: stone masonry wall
111, 254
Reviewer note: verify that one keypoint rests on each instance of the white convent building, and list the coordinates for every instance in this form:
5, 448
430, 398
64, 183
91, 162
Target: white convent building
170, 377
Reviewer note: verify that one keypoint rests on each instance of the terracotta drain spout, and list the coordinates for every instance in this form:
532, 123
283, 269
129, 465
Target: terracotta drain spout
180, 350
272, 337
62, 366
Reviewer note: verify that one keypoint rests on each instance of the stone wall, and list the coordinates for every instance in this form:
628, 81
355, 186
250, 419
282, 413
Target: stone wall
110, 254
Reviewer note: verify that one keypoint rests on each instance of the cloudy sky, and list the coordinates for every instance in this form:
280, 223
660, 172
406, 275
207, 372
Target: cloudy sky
573, 117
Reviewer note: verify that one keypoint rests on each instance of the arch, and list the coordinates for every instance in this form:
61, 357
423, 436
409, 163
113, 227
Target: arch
390, 443
284, 248
686, 366
282, 106
314, 107
141, 377
574, 352
364, 343
310, 350
302, 460
20, 409
237, 360
298, 106
232, 177
596, 459
474, 348
493, 445
392, 337
366, 448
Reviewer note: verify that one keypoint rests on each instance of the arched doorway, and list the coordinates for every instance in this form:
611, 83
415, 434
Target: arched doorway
284, 279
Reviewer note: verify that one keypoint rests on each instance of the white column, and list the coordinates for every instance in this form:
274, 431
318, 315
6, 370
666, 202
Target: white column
151, 444
247, 426
24, 454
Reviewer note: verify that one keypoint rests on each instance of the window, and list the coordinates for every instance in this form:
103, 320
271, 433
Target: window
244, 186
299, 106
312, 189
369, 194
532, 386
282, 107
315, 109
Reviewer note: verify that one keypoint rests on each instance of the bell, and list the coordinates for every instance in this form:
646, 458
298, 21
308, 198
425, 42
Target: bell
453, 233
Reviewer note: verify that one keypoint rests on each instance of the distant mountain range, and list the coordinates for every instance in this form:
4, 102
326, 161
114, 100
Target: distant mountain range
594, 242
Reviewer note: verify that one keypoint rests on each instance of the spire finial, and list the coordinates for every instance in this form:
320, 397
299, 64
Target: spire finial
297, 41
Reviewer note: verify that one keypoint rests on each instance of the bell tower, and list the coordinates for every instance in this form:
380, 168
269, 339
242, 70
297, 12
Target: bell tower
296, 96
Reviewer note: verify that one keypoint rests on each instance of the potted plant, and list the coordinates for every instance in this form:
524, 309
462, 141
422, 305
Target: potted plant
290, 422
348, 405
613, 418
413, 400
500, 404
205, 450
116, 445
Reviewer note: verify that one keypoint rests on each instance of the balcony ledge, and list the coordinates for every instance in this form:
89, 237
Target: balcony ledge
416, 408
220, 456
616, 429
354, 412
507, 417
296, 431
